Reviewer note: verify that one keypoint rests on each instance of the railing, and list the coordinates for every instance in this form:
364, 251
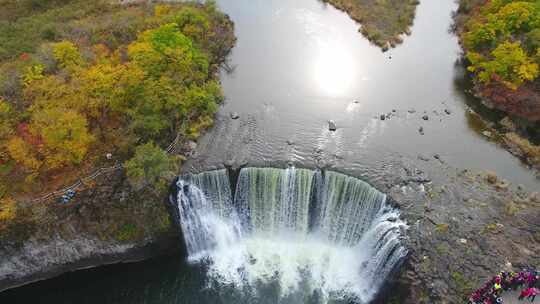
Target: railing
94, 175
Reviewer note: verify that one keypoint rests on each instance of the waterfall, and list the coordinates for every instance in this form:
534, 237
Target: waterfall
271, 200
204, 204
347, 208
317, 232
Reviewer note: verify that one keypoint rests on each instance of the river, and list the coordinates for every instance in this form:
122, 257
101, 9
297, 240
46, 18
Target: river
297, 65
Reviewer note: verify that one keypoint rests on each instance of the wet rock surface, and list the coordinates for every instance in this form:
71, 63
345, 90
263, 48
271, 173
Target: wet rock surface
461, 232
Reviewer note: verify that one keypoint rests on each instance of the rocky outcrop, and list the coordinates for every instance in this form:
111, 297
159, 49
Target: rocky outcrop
463, 231
107, 223
42, 259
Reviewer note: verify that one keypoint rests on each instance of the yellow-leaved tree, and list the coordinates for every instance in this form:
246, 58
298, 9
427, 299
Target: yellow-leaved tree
65, 136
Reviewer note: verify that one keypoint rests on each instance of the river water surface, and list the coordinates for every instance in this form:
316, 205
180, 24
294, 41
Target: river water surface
299, 64
296, 65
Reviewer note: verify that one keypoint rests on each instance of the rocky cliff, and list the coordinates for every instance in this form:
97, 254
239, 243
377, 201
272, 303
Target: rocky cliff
108, 223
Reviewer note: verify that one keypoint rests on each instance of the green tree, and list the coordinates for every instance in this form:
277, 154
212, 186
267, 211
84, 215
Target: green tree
193, 23
149, 165
67, 55
532, 40
6, 120
166, 51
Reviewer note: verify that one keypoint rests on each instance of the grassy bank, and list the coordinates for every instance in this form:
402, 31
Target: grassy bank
383, 21
88, 84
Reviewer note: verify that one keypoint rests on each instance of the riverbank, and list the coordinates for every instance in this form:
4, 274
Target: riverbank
382, 22
498, 88
108, 223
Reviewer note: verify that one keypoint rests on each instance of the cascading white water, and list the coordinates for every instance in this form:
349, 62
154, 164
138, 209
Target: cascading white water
333, 236
273, 200
207, 217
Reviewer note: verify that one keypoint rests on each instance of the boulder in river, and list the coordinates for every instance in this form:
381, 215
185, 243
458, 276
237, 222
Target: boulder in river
383, 117
235, 115
447, 111
421, 130
423, 157
332, 125
491, 178
425, 117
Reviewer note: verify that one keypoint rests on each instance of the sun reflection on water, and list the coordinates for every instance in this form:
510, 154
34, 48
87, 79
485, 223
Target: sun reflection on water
334, 73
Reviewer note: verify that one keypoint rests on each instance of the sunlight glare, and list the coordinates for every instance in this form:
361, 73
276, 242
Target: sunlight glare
334, 72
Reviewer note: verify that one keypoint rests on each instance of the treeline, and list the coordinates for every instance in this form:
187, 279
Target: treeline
115, 85
502, 40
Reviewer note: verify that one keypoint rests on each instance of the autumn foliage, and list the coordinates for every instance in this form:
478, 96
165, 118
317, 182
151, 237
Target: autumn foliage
502, 41
72, 101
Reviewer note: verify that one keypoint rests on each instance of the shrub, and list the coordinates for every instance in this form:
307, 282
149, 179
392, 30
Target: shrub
149, 164
442, 228
129, 232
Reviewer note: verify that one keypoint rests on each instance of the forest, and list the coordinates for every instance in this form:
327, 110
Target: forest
502, 41
87, 84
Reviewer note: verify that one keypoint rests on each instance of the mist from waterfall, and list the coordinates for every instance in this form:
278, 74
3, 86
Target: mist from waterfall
317, 237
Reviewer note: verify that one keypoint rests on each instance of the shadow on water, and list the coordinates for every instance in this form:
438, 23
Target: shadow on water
482, 117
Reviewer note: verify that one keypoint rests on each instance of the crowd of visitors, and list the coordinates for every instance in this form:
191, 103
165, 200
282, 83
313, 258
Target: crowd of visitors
527, 281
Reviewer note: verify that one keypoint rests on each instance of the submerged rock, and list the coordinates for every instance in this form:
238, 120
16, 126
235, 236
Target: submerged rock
425, 117
383, 117
447, 111
423, 157
332, 125
491, 177
421, 130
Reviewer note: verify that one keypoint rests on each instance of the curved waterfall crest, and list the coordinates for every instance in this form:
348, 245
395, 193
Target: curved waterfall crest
332, 234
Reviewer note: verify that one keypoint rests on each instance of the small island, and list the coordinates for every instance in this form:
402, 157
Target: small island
383, 22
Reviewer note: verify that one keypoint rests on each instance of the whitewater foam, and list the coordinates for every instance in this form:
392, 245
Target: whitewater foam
333, 236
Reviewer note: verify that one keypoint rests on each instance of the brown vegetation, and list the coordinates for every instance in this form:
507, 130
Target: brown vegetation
383, 21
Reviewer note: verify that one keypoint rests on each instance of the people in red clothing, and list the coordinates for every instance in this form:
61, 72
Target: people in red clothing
491, 292
532, 294
523, 294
